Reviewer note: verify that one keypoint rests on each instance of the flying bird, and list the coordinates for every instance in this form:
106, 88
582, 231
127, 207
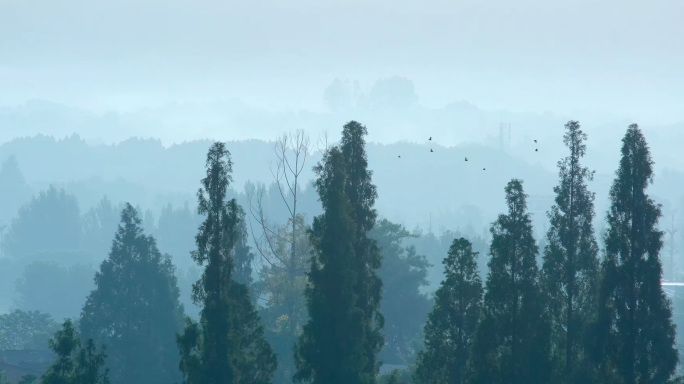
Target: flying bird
535, 140
536, 149
399, 156
431, 150
430, 139
484, 169
466, 159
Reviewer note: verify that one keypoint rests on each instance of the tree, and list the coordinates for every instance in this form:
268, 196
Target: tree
53, 214
222, 348
175, 234
99, 226
635, 326
404, 274
75, 364
134, 308
331, 348
512, 341
15, 190
362, 194
284, 251
68, 288
452, 323
570, 268
26, 330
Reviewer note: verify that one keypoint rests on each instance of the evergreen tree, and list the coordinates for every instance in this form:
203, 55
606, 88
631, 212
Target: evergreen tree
405, 307
451, 325
570, 267
134, 308
635, 327
362, 194
512, 341
331, 348
75, 364
228, 345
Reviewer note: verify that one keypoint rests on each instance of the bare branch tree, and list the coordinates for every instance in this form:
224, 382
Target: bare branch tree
292, 151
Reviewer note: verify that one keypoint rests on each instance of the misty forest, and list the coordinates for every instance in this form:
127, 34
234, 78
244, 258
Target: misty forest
301, 279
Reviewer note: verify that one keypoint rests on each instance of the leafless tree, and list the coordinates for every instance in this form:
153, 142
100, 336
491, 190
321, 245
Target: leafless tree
292, 151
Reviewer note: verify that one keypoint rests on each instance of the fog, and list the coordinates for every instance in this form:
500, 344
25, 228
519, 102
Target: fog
113, 102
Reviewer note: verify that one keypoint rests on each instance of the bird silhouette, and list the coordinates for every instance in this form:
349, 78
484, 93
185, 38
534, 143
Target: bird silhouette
430, 139
535, 140
466, 159
399, 156
484, 169
536, 149
431, 150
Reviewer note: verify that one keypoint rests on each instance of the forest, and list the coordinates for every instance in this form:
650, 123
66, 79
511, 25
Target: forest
307, 282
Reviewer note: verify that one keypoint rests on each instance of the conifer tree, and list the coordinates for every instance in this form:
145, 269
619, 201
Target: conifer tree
635, 326
570, 268
228, 345
331, 349
362, 194
451, 325
134, 308
512, 341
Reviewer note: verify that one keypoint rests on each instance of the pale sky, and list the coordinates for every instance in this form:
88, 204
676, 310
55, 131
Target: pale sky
620, 57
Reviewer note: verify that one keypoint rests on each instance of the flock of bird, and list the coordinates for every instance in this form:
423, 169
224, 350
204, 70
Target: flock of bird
466, 159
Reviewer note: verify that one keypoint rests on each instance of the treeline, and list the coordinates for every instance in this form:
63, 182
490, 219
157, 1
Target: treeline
319, 312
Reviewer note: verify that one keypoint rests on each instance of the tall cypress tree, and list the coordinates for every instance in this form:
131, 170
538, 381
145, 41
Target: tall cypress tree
512, 342
451, 325
228, 345
362, 194
331, 348
570, 270
635, 315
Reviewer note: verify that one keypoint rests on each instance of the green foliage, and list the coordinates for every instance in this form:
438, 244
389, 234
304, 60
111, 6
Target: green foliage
452, 323
54, 215
635, 333
331, 348
69, 286
512, 341
75, 363
282, 286
99, 226
26, 330
395, 376
569, 274
362, 193
134, 308
28, 379
15, 191
404, 307
227, 346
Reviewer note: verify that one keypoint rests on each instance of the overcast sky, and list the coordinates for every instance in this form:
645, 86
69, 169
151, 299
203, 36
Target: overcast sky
622, 57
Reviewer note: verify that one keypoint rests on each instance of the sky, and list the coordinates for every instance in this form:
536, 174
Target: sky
622, 58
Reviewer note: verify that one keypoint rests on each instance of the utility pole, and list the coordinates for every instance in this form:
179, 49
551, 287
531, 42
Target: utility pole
671, 232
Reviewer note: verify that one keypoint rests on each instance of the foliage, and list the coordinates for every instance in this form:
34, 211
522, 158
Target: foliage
635, 334
512, 341
282, 286
570, 269
75, 363
54, 215
53, 288
99, 225
452, 323
404, 274
26, 330
331, 348
362, 194
227, 345
134, 308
